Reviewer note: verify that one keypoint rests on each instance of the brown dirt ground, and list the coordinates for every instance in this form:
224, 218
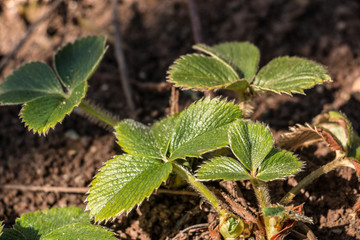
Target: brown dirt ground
155, 33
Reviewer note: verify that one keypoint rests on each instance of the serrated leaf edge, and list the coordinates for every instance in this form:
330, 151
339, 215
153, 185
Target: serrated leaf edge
112, 219
44, 133
18, 70
62, 48
198, 47
290, 93
208, 180
220, 98
196, 87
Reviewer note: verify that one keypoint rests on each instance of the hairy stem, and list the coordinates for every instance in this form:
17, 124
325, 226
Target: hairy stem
262, 195
337, 162
201, 188
98, 114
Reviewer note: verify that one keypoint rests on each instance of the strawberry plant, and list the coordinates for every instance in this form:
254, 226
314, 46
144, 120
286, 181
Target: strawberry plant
152, 153
234, 66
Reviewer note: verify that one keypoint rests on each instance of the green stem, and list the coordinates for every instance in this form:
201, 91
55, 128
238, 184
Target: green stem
201, 188
337, 162
262, 195
98, 114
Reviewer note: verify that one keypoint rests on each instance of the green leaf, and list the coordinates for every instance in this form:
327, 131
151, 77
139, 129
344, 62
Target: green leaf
225, 168
340, 126
290, 75
354, 151
80, 231
41, 91
124, 182
250, 142
274, 211
243, 57
77, 61
202, 127
163, 131
1, 228
44, 113
200, 72
56, 223
137, 139
278, 164
31, 81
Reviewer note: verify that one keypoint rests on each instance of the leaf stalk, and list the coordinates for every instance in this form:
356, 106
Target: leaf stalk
262, 195
96, 113
339, 161
201, 188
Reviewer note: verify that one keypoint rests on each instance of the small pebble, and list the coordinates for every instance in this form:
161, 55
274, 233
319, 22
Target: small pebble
72, 134
104, 87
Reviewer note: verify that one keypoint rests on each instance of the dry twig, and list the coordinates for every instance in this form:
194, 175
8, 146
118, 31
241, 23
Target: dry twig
45, 188
195, 21
238, 208
143, 86
120, 57
27, 35
197, 226
309, 234
174, 101
81, 190
196, 29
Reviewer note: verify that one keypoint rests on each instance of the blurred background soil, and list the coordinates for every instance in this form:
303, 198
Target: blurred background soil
155, 33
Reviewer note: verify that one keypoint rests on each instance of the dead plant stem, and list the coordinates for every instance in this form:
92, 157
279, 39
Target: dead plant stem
120, 57
195, 21
81, 190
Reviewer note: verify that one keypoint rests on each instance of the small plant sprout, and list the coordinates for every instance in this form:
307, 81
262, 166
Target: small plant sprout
234, 66
152, 153
334, 129
56, 223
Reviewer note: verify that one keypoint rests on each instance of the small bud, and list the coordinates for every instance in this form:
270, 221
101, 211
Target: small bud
230, 227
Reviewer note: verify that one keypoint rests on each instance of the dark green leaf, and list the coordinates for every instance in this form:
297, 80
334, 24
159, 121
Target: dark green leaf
124, 182
77, 61
31, 81
290, 75
243, 57
62, 223
44, 113
225, 168
36, 85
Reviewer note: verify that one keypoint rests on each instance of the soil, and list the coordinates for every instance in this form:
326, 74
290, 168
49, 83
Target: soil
155, 33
